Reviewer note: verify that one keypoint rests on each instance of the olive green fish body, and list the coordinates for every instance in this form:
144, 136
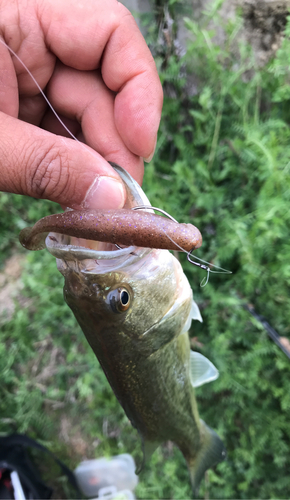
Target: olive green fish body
144, 349
150, 374
135, 307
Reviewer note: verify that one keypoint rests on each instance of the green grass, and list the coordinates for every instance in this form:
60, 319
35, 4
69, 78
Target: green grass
223, 163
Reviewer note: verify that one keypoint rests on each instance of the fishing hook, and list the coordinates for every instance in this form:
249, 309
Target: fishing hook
205, 265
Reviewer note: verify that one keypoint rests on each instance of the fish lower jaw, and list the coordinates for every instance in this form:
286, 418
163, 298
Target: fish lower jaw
91, 256
99, 246
63, 241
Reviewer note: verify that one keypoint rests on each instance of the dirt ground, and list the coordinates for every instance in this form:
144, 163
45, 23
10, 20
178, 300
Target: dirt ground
264, 24
10, 285
264, 21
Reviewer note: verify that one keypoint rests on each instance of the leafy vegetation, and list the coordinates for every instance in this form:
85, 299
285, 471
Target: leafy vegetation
222, 162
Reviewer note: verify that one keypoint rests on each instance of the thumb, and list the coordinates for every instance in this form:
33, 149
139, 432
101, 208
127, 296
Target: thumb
42, 165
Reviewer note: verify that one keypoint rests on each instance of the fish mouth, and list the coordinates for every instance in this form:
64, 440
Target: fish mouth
90, 256
71, 248
105, 256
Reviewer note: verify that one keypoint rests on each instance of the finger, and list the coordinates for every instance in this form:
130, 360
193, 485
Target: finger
91, 103
105, 34
32, 109
43, 165
52, 124
138, 104
22, 44
8, 84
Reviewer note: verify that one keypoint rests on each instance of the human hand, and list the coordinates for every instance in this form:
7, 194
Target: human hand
100, 77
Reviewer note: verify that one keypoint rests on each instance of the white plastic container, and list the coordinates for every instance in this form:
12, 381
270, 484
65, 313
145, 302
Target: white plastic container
111, 493
118, 471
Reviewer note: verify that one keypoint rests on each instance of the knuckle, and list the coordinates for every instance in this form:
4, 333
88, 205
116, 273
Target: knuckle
49, 177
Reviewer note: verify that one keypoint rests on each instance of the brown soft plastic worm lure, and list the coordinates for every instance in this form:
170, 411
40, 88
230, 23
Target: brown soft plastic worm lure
122, 227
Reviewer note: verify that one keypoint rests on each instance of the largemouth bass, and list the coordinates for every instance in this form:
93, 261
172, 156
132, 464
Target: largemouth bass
135, 307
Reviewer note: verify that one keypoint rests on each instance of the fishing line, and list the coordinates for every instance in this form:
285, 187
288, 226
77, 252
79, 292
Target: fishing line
40, 89
206, 267
145, 207
204, 264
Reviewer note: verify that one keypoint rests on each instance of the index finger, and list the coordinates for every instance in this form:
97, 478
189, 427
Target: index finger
105, 35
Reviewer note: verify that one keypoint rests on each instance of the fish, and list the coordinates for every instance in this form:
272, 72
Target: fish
135, 307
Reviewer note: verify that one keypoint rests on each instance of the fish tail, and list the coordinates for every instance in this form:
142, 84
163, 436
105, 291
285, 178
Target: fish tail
211, 452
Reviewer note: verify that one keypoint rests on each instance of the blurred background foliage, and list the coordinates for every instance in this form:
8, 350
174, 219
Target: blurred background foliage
222, 162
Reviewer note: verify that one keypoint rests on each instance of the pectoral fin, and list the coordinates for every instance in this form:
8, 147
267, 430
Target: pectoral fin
195, 312
202, 370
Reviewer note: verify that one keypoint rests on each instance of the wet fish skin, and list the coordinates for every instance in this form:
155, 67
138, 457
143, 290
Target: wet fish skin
135, 306
145, 352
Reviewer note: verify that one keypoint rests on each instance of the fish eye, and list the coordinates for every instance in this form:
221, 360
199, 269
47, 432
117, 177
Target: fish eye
119, 299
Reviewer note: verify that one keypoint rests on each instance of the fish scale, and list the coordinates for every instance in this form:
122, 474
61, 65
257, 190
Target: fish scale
135, 307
